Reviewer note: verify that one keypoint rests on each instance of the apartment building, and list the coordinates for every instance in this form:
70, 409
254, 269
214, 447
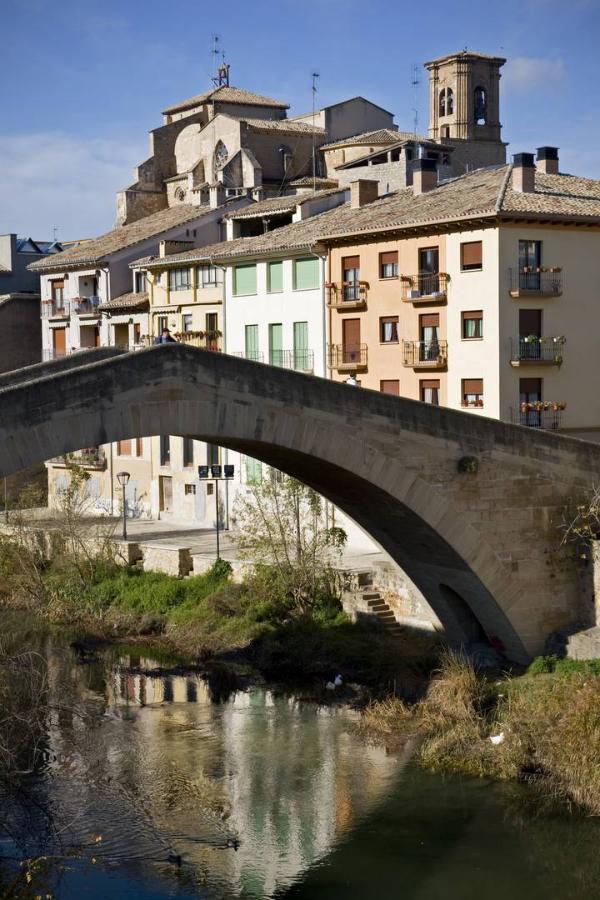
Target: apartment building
474, 293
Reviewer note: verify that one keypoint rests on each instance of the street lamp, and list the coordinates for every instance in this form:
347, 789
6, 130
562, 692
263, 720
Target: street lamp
123, 478
214, 473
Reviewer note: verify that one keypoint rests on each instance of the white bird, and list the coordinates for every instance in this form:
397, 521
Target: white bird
330, 686
338, 681
497, 738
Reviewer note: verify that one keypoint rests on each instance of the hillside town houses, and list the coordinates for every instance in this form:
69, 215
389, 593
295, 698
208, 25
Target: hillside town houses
337, 245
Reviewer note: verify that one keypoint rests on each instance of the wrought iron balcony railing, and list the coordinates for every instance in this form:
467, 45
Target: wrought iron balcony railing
52, 308
85, 306
300, 360
252, 355
348, 358
425, 354
538, 282
534, 350
207, 340
548, 419
347, 294
425, 288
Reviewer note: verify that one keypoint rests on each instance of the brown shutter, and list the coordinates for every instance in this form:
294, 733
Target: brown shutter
530, 386
390, 386
390, 256
430, 383
431, 320
124, 448
351, 262
138, 446
351, 334
388, 319
472, 253
59, 340
472, 385
60, 283
473, 314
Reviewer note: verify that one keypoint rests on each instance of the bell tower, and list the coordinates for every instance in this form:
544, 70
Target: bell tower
464, 106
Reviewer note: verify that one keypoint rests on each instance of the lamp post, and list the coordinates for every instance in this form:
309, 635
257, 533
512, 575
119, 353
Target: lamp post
123, 478
216, 474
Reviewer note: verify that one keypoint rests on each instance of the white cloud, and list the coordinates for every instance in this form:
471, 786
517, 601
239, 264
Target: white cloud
53, 178
523, 71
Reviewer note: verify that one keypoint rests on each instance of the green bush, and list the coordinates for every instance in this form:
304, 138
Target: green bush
543, 665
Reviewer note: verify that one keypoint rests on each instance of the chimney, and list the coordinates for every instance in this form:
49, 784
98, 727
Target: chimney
523, 176
547, 160
424, 175
216, 195
363, 191
166, 248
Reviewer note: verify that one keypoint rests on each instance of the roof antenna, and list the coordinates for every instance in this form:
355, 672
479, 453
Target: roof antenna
222, 77
55, 233
415, 82
315, 75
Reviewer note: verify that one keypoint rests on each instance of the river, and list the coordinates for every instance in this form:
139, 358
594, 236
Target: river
159, 782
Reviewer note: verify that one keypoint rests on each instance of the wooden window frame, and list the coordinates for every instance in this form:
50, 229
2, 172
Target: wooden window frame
471, 267
469, 315
388, 262
384, 320
474, 387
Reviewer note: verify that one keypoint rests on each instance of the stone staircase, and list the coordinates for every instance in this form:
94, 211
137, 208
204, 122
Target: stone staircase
377, 606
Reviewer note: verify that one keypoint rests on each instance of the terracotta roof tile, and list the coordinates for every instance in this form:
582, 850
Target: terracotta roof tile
130, 301
382, 136
280, 205
281, 126
225, 94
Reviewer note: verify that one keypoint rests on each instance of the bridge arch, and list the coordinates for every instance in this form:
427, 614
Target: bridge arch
389, 463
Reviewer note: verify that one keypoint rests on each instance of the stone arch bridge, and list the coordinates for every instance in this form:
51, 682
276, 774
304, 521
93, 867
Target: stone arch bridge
394, 465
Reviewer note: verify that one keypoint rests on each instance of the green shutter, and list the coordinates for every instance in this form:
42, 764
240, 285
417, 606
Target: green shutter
306, 274
251, 346
301, 361
253, 471
244, 280
276, 345
275, 277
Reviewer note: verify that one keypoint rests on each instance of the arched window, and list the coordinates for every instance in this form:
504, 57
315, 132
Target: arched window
449, 101
480, 106
221, 155
443, 102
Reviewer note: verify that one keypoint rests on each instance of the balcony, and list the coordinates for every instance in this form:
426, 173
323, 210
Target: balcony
425, 288
298, 360
206, 340
90, 458
425, 354
537, 351
252, 355
347, 294
541, 282
56, 309
348, 359
544, 414
86, 306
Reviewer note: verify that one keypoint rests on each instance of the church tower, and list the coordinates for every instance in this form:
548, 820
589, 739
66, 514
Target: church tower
464, 108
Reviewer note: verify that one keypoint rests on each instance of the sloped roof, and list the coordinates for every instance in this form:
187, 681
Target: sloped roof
282, 126
280, 205
97, 249
482, 194
464, 54
382, 136
130, 301
225, 94
426, 142
306, 181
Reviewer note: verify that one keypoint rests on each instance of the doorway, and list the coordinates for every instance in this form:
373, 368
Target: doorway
165, 483
429, 270
59, 342
351, 341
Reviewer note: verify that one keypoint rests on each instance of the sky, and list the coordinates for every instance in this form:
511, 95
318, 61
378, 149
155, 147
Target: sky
83, 82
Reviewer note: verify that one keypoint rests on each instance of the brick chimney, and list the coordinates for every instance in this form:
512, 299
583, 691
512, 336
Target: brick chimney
424, 176
523, 176
547, 160
166, 248
216, 195
363, 191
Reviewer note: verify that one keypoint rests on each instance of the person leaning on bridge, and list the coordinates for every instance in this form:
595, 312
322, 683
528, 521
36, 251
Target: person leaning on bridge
165, 337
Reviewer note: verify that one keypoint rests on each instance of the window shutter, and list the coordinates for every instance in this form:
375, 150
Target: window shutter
472, 385
472, 254
530, 386
251, 339
429, 321
300, 335
433, 383
351, 262
245, 280
306, 274
473, 314
390, 386
124, 448
390, 256
275, 277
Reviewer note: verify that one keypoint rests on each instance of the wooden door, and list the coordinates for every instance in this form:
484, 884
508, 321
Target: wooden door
351, 340
59, 341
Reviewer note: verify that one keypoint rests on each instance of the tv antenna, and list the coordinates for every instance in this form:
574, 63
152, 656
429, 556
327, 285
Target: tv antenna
55, 233
415, 82
315, 75
221, 67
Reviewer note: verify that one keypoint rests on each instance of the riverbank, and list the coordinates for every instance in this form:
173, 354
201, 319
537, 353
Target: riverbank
542, 727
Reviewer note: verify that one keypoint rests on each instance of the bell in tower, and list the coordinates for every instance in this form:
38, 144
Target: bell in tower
464, 108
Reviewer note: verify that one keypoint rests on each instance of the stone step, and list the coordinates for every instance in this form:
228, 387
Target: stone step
386, 617
371, 595
377, 604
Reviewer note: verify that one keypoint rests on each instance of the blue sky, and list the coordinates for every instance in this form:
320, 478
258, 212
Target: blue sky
83, 82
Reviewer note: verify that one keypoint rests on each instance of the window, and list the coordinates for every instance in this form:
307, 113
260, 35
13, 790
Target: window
221, 155
188, 451
351, 277
306, 274
162, 323
449, 101
209, 275
472, 325
139, 447
212, 454
187, 321
179, 279
275, 277
390, 386
442, 106
480, 106
471, 256
165, 449
302, 361
388, 329
140, 282
276, 344
212, 330
210, 489
189, 489
58, 291
251, 343
429, 390
253, 471
472, 392
123, 448
244, 280
388, 264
